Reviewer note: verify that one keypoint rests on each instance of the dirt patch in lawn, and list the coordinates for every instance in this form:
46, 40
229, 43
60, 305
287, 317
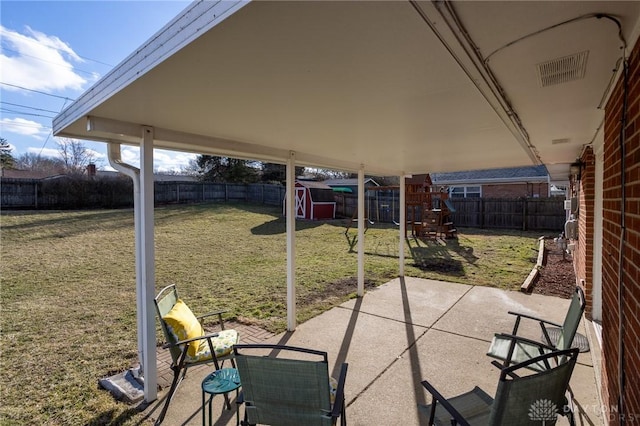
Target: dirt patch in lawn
335, 291
557, 277
443, 266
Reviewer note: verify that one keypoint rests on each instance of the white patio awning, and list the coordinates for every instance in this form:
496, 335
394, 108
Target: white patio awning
392, 85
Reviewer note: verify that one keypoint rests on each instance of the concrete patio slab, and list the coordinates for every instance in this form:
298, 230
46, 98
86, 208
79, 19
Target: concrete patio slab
483, 312
387, 340
413, 300
369, 343
587, 407
438, 357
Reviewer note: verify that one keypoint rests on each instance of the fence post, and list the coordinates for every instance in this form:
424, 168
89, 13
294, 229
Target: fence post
482, 213
226, 192
524, 214
177, 193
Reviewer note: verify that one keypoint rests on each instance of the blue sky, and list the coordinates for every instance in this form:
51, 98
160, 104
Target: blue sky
52, 51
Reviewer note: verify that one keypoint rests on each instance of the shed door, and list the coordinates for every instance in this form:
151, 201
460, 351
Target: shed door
301, 203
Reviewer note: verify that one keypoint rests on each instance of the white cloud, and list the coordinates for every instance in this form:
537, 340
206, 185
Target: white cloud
163, 160
171, 161
131, 155
96, 155
41, 61
45, 152
55, 152
24, 127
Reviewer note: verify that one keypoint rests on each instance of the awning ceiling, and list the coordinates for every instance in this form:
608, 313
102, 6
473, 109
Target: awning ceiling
394, 86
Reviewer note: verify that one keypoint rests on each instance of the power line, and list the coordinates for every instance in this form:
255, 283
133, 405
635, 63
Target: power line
25, 113
63, 51
37, 91
96, 61
45, 142
67, 66
33, 126
30, 107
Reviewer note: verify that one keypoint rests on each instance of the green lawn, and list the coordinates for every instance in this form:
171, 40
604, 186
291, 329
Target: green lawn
68, 288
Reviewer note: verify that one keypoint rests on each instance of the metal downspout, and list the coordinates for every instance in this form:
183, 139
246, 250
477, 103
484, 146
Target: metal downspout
115, 160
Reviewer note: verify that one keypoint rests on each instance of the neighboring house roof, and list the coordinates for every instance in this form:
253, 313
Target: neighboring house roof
515, 174
35, 174
348, 182
156, 177
108, 174
28, 174
312, 184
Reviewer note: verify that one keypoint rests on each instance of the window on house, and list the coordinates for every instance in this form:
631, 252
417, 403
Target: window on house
465, 192
457, 192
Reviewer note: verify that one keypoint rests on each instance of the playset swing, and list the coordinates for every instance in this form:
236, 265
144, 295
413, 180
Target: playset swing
428, 212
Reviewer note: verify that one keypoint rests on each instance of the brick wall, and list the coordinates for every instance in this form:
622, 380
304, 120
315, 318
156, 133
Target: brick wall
612, 199
584, 248
516, 190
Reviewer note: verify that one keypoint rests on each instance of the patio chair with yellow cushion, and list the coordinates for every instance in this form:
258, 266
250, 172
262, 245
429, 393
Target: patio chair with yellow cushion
523, 396
187, 341
292, 390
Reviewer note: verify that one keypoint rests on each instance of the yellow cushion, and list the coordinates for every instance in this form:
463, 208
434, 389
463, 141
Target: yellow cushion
184, 325
333, 389
222, 345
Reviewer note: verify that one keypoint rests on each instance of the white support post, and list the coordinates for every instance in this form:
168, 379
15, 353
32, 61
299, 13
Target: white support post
403, 225
361, 219
291, 241
147, 269
115, 159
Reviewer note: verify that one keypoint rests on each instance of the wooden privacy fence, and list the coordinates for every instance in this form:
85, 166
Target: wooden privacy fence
197, 192
528, 214
74, 193
533, 214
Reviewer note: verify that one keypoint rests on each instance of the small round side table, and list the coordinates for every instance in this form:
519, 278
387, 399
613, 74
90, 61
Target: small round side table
220, 381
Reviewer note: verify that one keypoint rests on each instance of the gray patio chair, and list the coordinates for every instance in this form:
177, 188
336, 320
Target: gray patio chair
187, 341
511, 349
523, 396
287, 391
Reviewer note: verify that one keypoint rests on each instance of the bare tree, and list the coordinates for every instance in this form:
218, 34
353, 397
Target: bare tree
324, 174
32, 161
191, 169
75, 155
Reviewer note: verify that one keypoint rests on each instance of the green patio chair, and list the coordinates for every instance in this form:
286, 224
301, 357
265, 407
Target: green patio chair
187, 341
523, 396
288, 391
511, 349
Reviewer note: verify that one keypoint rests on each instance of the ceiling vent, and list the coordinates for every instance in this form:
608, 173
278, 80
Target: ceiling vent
562, 70
559, 141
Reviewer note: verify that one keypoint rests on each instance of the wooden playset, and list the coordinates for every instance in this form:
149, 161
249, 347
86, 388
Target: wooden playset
428, 211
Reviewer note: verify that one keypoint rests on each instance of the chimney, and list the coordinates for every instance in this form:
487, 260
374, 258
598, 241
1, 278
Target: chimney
91, 170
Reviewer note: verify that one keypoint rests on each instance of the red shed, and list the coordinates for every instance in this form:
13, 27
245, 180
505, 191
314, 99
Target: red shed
314, 200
